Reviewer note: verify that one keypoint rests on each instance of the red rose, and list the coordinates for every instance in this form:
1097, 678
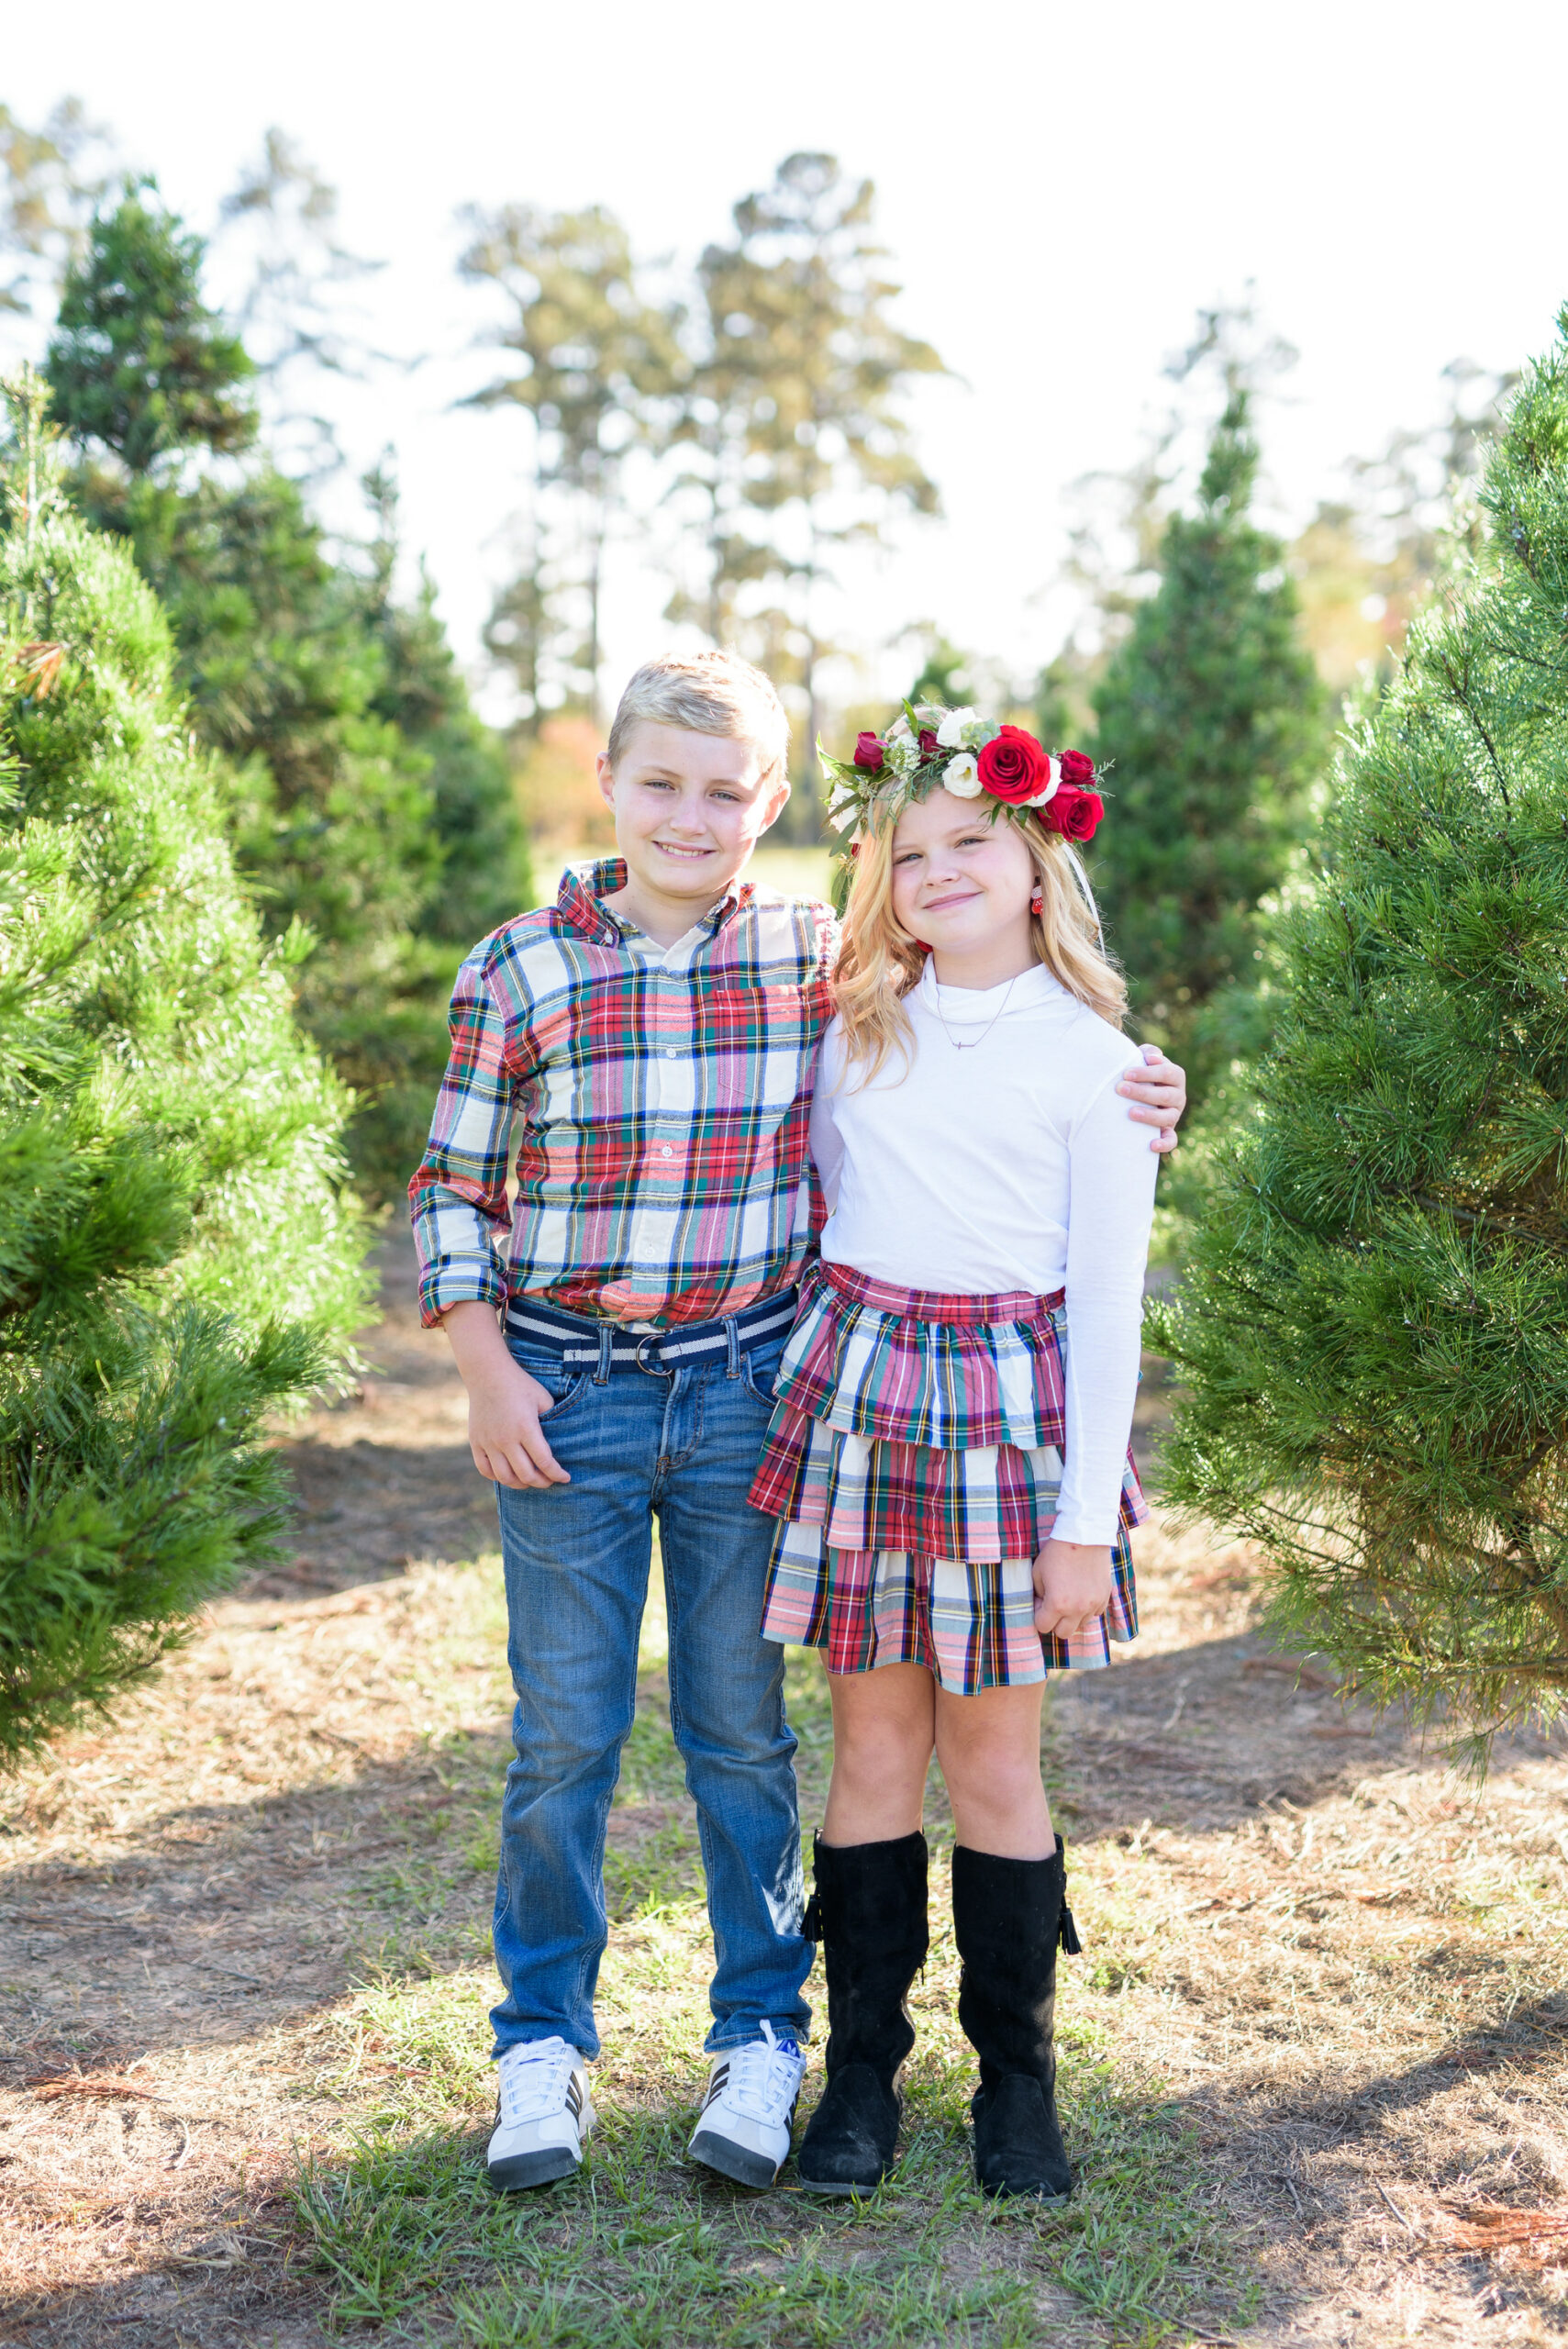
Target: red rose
1073, 813
1077, 767
1013, 767
929, 745
870, 751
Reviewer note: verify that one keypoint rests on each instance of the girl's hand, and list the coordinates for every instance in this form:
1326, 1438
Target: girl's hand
1072, 1586
1161, 1089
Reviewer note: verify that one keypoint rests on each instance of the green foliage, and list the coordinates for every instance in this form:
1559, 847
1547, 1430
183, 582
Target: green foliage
176, 1255
1212, 721
485, 877
1374, 1321
332, 807
138, 363
51, 182
945, 673
371, 810
770, 412
794, 413
593, 359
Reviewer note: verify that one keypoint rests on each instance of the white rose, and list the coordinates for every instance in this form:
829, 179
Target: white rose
961, 777
952, 733
1053, 777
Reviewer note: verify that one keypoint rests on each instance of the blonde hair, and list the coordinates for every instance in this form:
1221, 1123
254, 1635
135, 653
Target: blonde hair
879, 961
707, 693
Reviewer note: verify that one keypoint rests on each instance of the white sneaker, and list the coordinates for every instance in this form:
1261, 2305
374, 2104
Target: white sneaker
748, 2109
543, 2115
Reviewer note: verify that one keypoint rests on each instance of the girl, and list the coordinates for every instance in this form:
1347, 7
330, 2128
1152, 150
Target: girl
950, 1467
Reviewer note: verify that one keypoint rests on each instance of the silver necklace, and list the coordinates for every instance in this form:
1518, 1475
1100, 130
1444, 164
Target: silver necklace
947, 1031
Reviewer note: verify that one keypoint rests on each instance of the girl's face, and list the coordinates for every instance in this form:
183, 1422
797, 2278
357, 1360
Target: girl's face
962, 881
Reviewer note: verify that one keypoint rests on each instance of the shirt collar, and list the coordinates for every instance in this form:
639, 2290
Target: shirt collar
583, 888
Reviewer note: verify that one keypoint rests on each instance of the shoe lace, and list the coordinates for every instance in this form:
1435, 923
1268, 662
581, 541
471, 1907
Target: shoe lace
763, 2077
533, 2080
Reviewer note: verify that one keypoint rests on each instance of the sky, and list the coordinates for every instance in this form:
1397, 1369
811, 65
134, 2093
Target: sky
1062, 190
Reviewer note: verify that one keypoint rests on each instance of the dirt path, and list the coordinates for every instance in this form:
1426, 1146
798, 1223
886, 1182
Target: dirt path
245, 1926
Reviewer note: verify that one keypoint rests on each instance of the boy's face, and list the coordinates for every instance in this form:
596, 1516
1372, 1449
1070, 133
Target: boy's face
689, 809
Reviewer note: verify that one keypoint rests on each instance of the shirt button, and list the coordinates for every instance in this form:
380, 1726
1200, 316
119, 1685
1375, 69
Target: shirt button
666, 1152
669, 1052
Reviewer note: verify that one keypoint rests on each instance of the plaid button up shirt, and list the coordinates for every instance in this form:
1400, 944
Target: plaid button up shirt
663, 1171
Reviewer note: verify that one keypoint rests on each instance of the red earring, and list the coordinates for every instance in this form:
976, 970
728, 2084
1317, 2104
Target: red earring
1037, 899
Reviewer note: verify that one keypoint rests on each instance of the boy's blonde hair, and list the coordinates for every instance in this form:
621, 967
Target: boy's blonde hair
707, 693
880, 960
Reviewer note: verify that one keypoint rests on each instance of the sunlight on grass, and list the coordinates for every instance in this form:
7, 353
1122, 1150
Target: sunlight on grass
644, 2249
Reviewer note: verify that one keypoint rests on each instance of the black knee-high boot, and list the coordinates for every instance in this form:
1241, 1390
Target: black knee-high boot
1010, 1917
869, 1913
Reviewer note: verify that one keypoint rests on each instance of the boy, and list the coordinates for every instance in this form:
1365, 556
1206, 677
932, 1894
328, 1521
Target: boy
654, 1030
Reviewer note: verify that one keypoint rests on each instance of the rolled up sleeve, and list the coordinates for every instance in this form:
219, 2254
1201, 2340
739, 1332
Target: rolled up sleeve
458, 1196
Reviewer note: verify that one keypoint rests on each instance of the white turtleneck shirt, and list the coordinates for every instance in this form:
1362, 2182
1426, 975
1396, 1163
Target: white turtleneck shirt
1009, 1165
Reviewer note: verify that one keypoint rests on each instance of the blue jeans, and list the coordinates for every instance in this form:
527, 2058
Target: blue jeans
683, 1448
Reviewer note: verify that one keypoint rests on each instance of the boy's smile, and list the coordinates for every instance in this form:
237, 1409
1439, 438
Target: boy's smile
689, 809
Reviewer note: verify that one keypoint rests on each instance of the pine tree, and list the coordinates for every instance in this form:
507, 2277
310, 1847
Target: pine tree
1211, 722
331, 808
797, 410
1375, 1319
485, 877
176, 1255
593, 359
138, 362
368, 803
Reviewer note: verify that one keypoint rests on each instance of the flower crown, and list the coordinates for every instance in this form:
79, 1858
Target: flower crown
927, 748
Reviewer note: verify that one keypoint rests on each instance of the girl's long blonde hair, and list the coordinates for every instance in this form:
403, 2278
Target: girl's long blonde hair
879, 961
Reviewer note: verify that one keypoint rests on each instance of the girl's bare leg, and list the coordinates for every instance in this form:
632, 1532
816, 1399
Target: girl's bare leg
988, 1745
883, 1735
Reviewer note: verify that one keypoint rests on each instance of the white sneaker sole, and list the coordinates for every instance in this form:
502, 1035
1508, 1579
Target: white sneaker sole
513, 2172
741, 2162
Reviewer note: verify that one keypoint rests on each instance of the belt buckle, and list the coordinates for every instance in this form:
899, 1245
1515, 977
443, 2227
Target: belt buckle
654, 1369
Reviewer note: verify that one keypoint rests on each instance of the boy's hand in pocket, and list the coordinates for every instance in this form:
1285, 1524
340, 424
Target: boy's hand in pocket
505, 1405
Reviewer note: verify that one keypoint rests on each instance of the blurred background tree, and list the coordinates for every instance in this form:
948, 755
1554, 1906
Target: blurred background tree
369, 805
178, 1253
795, 419
140, 367
739, 430
765, 418
599, 364
1370, 557
295, 310
1210, 730
52, 180
1373, 1318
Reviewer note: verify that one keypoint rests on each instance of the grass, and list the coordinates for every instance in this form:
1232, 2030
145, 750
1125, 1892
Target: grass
1317, 2040
645, 2249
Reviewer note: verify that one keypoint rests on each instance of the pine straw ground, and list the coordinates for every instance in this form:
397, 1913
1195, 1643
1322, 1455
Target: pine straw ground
1314, 2048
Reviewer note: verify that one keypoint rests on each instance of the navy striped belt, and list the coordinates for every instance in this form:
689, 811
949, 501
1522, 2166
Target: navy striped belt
659, 1352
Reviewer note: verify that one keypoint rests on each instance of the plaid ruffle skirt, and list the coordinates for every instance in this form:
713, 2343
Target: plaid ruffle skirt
915, 1462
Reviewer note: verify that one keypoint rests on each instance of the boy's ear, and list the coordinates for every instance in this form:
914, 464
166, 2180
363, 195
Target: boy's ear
775, 806
604, 775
